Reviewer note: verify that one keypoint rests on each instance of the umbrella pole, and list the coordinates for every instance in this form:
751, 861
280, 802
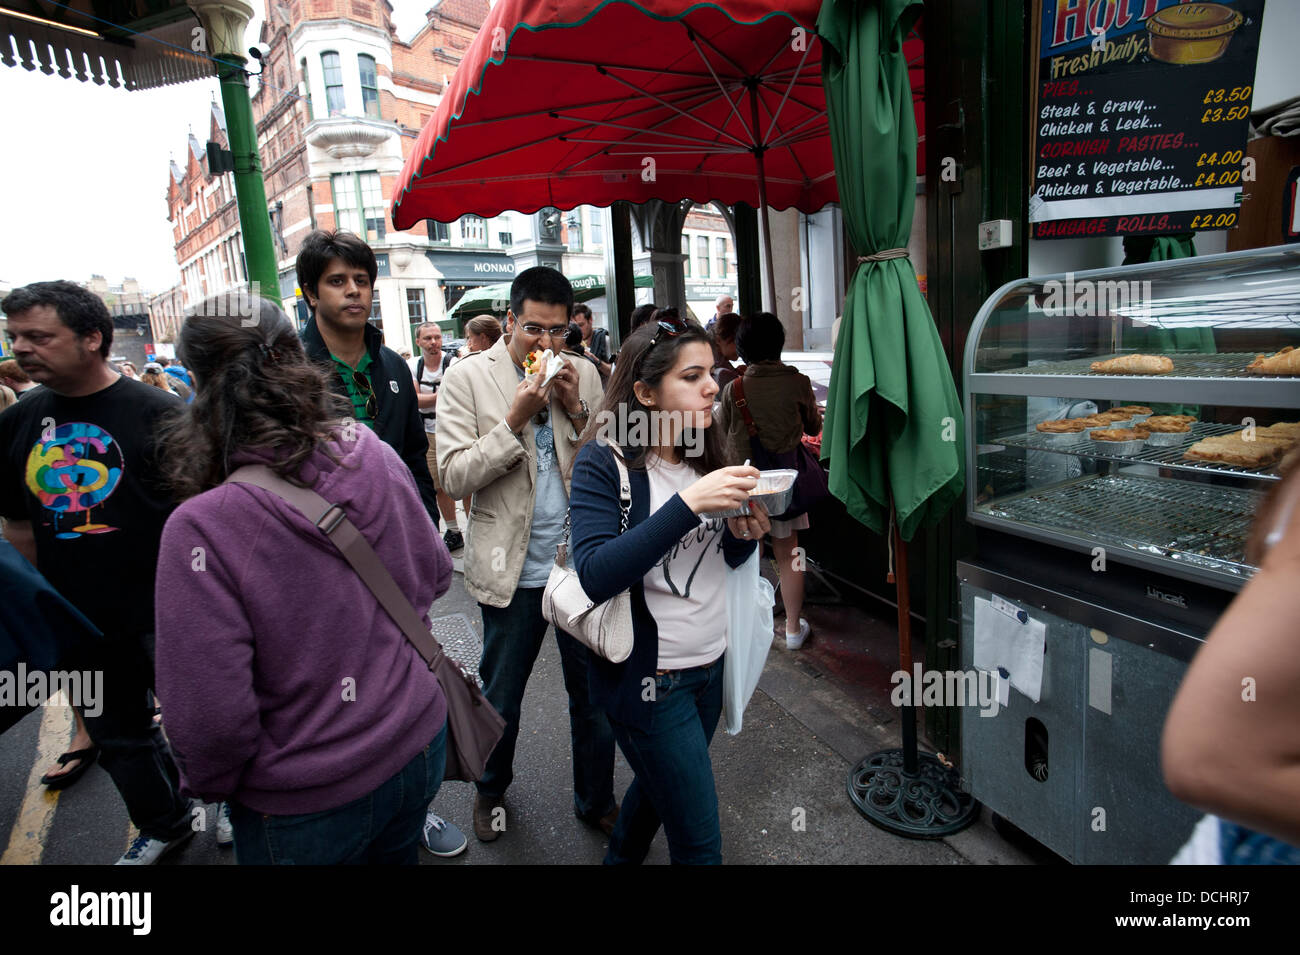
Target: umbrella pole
769, 272
905, 791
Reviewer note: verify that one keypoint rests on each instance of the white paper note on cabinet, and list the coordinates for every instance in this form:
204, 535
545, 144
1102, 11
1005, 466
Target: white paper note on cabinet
1004, 642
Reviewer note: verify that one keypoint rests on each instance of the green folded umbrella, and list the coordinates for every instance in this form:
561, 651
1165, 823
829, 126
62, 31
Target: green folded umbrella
894, 428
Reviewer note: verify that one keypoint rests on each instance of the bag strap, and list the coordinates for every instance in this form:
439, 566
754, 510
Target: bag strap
334, 523
738, 389
624, 508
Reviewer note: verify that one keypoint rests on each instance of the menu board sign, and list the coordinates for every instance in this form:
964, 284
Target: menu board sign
1141, 118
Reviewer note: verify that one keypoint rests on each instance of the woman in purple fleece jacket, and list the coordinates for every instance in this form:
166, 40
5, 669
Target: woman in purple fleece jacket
287, 689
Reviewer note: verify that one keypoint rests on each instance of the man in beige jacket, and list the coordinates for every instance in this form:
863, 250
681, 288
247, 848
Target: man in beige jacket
509, 442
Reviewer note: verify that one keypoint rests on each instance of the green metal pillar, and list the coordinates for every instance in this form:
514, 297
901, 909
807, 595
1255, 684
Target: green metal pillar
222, 37
250, 191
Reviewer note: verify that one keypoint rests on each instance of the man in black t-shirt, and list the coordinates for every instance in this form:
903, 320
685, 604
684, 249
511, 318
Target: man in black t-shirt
80, 495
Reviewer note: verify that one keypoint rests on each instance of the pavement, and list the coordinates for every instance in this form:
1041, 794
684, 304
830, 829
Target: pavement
781, 782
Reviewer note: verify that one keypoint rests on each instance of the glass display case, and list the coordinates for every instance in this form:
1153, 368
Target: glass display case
1199, 428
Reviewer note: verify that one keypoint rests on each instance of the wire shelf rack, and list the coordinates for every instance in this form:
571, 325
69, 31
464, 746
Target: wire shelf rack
1164, 456
1224, 365
1200, 525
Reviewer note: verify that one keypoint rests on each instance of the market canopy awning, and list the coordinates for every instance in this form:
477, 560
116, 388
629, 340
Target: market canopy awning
132, 46
565, 102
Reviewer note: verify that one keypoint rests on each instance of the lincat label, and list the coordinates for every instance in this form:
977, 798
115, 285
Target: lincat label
1178, 600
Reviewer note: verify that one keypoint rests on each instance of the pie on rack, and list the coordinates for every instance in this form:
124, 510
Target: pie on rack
1283, 429
1167, 424
1133, 409
1117, 434
1234, 449
1284, 362
1062, 426
1134, 365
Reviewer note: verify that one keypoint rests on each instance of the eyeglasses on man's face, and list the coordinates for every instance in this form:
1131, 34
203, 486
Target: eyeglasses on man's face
555, 331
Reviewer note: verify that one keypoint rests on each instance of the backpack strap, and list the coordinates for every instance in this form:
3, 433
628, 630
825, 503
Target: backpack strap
738, 390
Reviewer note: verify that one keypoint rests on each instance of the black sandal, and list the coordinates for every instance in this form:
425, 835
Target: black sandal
86, 757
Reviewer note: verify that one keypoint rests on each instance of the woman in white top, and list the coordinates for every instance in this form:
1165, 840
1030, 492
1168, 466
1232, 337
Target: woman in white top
664, 701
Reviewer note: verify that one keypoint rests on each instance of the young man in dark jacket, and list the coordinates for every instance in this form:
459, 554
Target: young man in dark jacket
336, 272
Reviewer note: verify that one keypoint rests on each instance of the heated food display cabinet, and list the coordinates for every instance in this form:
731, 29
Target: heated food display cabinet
1123, 427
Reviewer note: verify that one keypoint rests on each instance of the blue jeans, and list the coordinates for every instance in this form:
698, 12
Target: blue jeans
382, 828
674, 776
512, 638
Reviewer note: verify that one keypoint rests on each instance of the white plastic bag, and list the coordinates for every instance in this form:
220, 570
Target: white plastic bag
749, 636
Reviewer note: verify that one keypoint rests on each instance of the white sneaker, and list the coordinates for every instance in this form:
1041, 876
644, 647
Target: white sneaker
146, 851
795, 642
225, 831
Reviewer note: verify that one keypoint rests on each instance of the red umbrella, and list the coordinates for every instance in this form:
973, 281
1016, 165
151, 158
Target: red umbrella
569, 102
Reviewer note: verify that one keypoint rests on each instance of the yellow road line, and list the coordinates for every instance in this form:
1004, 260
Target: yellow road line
27, 837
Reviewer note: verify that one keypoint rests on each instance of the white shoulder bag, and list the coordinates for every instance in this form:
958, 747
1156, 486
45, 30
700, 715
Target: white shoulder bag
605, 629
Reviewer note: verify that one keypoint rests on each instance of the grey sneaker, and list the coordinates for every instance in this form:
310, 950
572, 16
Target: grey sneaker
441, 837
225, 831
797, 641
146, 851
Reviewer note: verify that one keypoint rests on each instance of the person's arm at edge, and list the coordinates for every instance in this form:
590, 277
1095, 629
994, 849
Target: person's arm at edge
1233, 753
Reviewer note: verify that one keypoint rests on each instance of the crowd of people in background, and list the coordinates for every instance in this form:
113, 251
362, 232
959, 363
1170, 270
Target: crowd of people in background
304, 773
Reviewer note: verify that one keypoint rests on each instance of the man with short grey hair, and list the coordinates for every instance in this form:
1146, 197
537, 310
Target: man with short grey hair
722, 305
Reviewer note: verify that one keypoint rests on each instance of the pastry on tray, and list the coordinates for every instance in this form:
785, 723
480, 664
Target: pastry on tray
1117, 434
1133, 409
1234, 449
1062, 426
1135, 365
1284, 362
1289, 430
1167, 424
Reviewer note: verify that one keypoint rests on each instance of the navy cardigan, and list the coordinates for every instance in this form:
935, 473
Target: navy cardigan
609, 563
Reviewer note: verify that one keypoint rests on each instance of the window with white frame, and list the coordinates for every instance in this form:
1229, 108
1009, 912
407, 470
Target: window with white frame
720, 247
369, 86
702, 254
473, 230
359, 204
415, 310
333, 68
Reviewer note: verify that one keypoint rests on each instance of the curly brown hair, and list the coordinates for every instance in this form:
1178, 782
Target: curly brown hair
255, 387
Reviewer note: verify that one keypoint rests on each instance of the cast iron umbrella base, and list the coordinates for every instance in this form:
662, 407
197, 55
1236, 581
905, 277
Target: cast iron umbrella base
901, 790
917, 797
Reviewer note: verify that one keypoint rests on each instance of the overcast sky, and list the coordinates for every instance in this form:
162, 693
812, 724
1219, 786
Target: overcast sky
83, 171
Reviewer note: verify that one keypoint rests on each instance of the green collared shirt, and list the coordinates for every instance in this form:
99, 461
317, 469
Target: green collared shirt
357, 395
